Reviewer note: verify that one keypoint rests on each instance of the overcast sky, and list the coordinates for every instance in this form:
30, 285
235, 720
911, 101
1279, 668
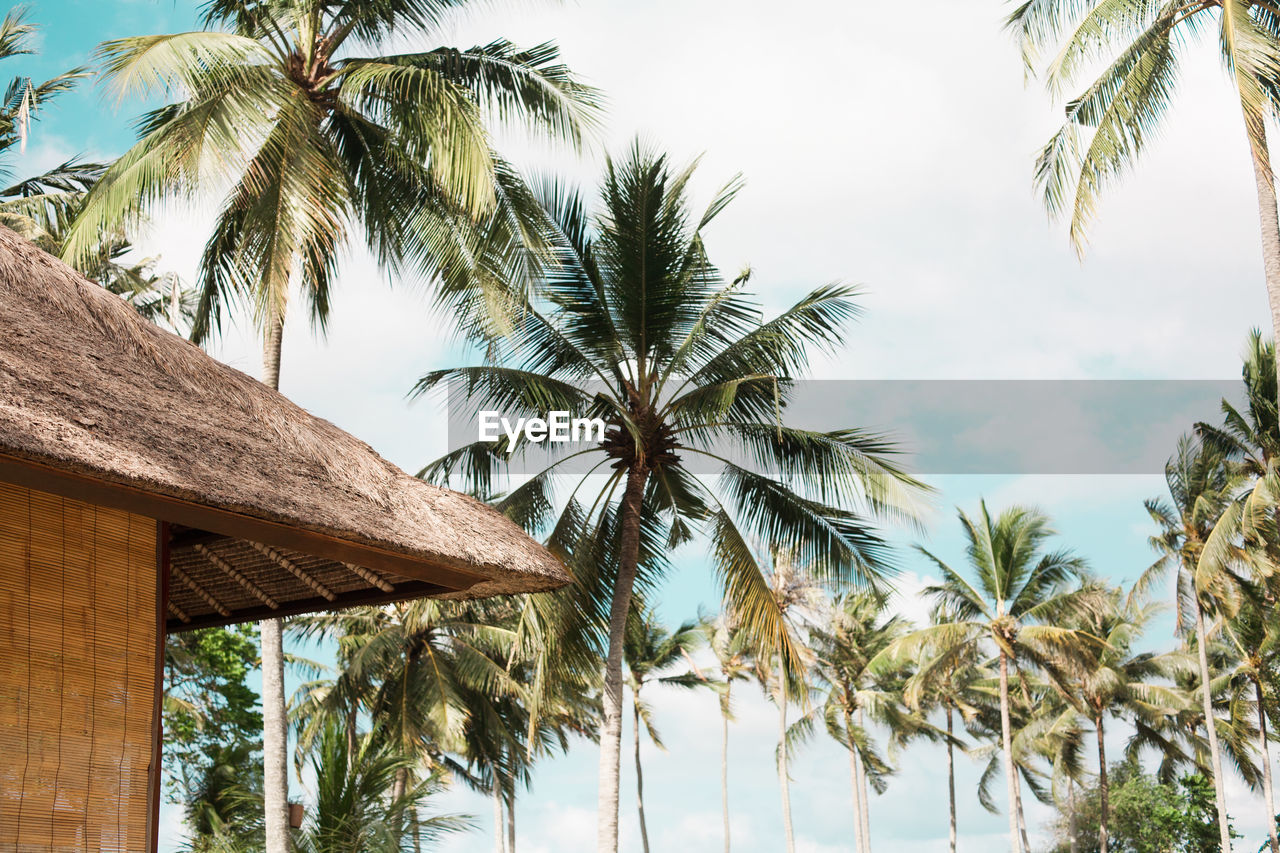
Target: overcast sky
882, 144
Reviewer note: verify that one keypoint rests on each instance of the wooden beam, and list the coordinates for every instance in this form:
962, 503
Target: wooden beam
232, 572
179, 612
369, 596
287, 564
370, 577
200, 591
448, 574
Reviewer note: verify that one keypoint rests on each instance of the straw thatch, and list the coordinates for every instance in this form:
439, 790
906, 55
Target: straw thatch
98, 401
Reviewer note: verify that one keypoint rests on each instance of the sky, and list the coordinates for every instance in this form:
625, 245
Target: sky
880, 148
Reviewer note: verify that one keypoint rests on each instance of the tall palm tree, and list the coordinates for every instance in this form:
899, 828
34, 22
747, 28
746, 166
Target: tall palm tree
1116, 680
844, 643
420, 671
1256, 641
1200, 490
734, 653
650, 649
287, 112
948, 676
1019, 602
798, 599
1058, 736
683, 370
1108, 124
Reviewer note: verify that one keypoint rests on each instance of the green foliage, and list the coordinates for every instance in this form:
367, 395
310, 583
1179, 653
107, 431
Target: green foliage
366, 799
684, 366
1147, 815
211, 716
224, 802
310, 133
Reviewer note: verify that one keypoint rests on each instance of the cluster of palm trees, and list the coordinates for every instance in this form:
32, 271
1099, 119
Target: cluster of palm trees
313, 134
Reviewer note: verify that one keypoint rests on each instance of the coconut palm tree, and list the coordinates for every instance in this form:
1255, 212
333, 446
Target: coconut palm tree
649, 650
289, 113
1201, 489
360, 801
24, 98
421, 671
734, 654
1033, 706
947, 677
1256, 642
799, 600
844, 643
685, 373
1109, 123
41, 208
1019, 602
1115, 680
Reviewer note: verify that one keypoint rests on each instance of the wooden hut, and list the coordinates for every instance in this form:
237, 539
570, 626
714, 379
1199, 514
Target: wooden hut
145, 488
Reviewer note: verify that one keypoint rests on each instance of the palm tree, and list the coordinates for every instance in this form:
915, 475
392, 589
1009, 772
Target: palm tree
288, 110
1116, 680
798, 599
1033, 706
1019, 602
845, 643
41, 209
1201, 490
418, 670
360, 802
1141, 45
1256, 642
1058, 736
651, 649
947, 677
732, 648
24, 97
683, 370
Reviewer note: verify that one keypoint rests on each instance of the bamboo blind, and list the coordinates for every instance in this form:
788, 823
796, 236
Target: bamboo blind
78, 623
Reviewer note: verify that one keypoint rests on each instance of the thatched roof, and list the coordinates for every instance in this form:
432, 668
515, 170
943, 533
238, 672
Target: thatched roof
97, 403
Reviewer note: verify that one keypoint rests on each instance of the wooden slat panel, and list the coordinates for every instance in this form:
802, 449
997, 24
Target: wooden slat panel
78, 640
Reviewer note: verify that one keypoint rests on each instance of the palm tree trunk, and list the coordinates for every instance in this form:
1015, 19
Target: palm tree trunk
611, 700
275, 737
398, 789
1266, 769
951, 781
416, 828
1006, 741
1022, 818
1103, 802
1072, 831
1269, 222
724, 761
865, 794
644, 831
854, 780
511, 819
499, 842
275, 726
1219, 791
783, 781
351, 736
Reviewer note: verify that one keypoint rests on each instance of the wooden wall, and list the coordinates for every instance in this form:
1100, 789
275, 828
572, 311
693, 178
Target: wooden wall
79, 617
